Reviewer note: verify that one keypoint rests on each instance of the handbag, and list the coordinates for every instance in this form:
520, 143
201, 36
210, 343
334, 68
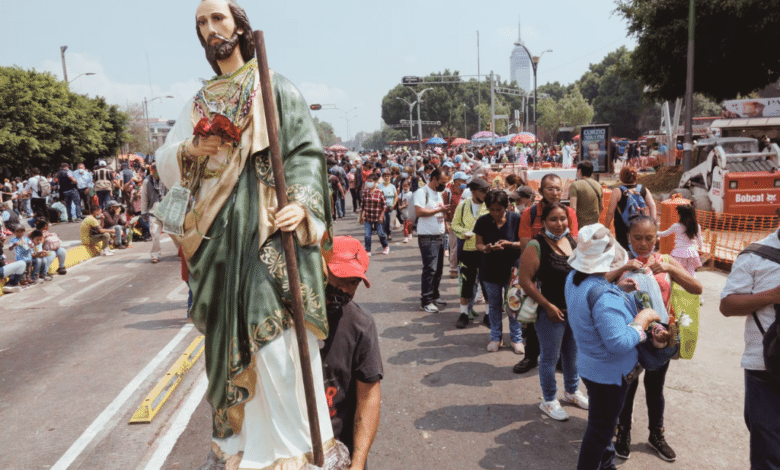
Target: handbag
517, 303
51, 242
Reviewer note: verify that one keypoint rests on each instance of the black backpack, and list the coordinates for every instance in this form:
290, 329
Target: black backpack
772, 334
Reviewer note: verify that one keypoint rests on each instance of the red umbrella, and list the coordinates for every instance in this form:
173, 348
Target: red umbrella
460, 141
338, 148
523, 138
576, 137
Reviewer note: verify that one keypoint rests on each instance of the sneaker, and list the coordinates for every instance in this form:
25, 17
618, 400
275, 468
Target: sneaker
386, 250
38, 281
623, 442
553, 410
440, 303
430, 308
576, 398
12, 289
486, 320
658, 442
406, 239
518, 348
62, 271
368, 253
525, 365
47, 278
463, 320
493, 346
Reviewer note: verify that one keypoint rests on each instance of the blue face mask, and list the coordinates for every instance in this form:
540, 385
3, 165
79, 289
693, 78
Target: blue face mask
635, 255
552, 236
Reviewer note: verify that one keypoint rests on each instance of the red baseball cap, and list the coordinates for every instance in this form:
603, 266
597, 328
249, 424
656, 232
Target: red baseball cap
348, 259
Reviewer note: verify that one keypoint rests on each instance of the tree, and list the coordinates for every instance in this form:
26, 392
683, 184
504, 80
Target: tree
378, 139
325, 132
43, 124
572, 109
733, 52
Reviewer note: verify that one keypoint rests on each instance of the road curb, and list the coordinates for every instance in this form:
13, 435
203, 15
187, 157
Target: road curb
76, 255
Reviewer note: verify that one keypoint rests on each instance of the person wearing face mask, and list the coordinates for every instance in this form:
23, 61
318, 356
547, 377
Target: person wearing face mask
351, 359
551, 188
452, 197
469, 258
545, 263
372, 214
658, 273
430, 209
92, 233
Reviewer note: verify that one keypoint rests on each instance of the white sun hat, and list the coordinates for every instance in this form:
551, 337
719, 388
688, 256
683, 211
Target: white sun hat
597, 251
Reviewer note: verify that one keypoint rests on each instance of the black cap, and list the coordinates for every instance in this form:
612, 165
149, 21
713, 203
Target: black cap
478, 183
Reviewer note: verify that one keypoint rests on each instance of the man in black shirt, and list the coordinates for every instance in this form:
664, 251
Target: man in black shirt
351, 361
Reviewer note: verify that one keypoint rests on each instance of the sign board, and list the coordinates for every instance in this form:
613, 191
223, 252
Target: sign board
501, 116
751, 108
594, 146
411, 80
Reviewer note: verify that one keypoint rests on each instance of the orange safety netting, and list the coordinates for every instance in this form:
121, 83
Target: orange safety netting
723, 235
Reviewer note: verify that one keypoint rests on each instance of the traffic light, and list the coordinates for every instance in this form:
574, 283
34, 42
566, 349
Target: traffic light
315, 107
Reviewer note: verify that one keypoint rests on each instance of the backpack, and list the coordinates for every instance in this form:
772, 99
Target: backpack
103, 182
635, 204
44, 187
772, 334
412, 210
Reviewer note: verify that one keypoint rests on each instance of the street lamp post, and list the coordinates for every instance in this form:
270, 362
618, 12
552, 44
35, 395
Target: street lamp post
411, 119
419, 119
346, 118
146, 117
64, 68
80, 75
534, 64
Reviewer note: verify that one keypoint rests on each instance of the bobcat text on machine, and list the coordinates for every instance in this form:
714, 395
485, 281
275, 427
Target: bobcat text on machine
731, 175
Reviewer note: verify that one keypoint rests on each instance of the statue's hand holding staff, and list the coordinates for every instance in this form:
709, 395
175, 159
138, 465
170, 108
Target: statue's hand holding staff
290, 217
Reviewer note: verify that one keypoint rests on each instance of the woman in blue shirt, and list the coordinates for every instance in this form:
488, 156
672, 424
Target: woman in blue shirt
607, 328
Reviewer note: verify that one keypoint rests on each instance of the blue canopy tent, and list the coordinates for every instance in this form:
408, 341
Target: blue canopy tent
435, 141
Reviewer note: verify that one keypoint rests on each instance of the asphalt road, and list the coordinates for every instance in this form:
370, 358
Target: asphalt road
79, 354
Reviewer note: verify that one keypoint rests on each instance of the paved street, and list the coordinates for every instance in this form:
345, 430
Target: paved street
80, 353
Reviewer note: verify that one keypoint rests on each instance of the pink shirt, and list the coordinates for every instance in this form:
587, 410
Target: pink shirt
684, 247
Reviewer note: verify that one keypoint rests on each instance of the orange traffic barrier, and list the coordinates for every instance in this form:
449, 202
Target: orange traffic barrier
725, 235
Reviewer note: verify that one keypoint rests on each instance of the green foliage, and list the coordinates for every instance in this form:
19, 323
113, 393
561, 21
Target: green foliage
573, 110
734, 42
42, 124
378, 139
447, 103
325, 132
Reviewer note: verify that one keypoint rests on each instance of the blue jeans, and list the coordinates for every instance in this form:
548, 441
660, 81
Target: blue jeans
72, 197
654, 396
597, 452
40, 268
556, 340
386, 222
495, 297
762, 417
432, 253
382, 238
103, 198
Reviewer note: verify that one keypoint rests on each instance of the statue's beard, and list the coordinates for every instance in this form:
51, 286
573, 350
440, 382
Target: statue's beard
222, 50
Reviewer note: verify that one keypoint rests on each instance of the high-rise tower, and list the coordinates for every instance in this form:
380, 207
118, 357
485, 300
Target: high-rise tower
520, 64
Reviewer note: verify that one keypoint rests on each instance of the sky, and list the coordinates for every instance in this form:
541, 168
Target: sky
347, 53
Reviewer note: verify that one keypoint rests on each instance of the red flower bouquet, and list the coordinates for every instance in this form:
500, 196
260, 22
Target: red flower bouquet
220, 126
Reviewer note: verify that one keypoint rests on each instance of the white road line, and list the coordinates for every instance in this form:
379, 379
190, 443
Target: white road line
180, 294
83, 441
180, 423
76, 298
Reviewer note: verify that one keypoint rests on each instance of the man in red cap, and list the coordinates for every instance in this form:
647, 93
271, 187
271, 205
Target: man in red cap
351, 361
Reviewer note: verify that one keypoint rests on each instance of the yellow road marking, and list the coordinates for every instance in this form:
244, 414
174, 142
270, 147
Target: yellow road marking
165, 387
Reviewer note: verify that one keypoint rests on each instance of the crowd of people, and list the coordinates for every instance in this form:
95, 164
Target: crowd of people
113, 208
603, 304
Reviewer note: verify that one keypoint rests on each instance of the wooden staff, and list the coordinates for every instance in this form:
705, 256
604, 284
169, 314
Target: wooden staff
289, 249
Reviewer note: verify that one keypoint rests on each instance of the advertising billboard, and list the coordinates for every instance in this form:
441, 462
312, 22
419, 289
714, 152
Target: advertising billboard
594, 146
751, 108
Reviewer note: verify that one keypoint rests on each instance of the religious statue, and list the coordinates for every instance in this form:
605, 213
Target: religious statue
219, 151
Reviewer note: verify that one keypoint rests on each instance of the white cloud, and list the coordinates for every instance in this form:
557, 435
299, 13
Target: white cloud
323, 94
122, 94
